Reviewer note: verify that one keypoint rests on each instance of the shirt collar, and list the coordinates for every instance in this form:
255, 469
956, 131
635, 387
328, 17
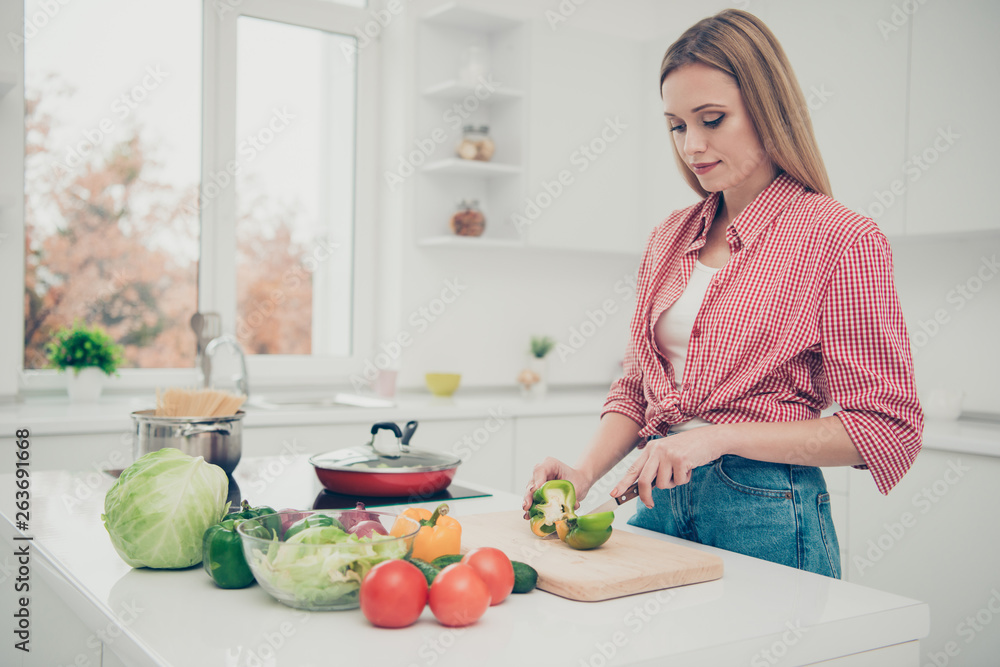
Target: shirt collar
756, 217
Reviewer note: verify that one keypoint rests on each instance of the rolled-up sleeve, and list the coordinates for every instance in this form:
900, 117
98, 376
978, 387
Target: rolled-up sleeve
627, 395
868, 363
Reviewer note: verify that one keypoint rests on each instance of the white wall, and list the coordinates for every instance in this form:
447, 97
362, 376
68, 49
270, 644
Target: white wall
950, 294
11, 205
513, 294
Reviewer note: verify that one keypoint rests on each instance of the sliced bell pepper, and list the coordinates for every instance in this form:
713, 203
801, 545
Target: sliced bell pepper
439, 533
222, 550
586, 532
553, 501
552, 510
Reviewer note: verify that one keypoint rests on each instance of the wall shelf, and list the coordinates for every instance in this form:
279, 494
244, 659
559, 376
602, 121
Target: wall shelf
448, 38
454, 90
459, 167
455, 16
468, 242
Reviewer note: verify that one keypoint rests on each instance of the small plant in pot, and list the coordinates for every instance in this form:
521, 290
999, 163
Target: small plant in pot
534, 378
90, 353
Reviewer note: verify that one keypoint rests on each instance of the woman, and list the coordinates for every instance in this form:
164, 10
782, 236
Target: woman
755, 308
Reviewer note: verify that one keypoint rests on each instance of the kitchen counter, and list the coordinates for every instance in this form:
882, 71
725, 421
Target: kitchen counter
55, 415
756, 614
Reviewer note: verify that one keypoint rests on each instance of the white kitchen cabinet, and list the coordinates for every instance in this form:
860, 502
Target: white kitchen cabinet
57, 635
935, 538
564, 438
90, 451
854, 81
951, 153
561, 437
484, 445
837, 484
306, 439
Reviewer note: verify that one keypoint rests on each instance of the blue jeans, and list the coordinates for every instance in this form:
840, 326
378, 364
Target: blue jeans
774, 511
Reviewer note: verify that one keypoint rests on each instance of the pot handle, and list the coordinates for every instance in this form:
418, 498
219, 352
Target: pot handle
195, 429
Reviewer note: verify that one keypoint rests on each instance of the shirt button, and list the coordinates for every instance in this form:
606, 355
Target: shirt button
695, 332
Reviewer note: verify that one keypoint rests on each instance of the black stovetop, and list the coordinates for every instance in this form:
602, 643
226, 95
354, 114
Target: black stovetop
327, 500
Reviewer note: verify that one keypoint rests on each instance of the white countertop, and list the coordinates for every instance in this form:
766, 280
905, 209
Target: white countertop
757, 606
55, 415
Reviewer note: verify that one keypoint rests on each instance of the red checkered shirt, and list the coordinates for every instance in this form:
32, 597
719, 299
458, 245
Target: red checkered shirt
803, 313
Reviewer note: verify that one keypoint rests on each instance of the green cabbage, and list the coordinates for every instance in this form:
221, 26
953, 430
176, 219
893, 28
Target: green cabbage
158, 510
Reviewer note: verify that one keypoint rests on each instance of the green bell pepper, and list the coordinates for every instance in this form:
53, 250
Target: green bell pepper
553, 501
586, 532
268, 518
312, 521
223, 558
553, 510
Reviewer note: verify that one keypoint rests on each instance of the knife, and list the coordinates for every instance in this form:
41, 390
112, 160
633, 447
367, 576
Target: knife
613, 504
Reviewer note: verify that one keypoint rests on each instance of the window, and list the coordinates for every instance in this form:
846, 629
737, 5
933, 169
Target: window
213, 157
294, 189
112, 155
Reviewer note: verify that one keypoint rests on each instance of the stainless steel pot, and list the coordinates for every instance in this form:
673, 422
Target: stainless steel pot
216, 439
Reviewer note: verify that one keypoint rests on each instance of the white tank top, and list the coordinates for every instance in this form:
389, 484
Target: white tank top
673, 330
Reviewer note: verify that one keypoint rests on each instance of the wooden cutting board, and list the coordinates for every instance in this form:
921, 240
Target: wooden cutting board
626, 564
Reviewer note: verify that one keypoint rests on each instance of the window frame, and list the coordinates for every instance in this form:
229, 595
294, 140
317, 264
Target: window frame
217, 268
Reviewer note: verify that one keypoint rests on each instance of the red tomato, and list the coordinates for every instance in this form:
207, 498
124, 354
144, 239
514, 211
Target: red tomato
393, 594
459, 596
495, 569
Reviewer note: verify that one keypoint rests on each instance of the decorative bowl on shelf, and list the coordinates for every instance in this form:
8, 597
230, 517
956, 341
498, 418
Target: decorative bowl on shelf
442, 384
319, 567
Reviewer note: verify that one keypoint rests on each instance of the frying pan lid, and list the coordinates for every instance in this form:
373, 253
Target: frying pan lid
365, 459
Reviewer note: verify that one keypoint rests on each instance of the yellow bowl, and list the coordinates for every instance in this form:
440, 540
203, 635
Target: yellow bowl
442, 384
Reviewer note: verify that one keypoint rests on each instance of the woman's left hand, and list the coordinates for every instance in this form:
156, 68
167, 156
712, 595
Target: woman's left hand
668, 462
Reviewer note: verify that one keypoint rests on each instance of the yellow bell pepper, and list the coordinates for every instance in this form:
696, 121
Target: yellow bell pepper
439, 533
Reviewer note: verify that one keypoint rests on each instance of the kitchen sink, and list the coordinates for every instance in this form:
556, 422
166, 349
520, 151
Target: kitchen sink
314, 402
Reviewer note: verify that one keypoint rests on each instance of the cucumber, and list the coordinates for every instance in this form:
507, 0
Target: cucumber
442, 562
426, 569
525, 577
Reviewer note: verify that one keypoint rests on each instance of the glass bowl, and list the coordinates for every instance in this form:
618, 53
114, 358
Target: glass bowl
318, 576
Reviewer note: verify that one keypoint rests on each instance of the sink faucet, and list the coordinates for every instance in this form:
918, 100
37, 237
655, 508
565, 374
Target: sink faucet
242, 383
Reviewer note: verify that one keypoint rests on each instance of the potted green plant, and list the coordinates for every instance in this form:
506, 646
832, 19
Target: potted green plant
534, 377
90, 353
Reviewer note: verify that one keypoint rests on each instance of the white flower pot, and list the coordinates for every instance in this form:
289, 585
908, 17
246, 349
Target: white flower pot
85, 384
541, 367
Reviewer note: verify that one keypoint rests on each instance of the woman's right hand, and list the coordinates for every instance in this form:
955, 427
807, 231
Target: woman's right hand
552, 468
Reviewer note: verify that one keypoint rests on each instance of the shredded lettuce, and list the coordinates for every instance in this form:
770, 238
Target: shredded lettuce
316, 576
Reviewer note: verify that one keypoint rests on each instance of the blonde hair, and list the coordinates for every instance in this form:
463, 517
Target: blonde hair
739, 44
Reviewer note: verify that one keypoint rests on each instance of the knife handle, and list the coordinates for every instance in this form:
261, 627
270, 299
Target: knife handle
630, 493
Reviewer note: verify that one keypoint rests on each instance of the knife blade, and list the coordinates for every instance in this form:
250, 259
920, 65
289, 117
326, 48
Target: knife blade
616, 502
